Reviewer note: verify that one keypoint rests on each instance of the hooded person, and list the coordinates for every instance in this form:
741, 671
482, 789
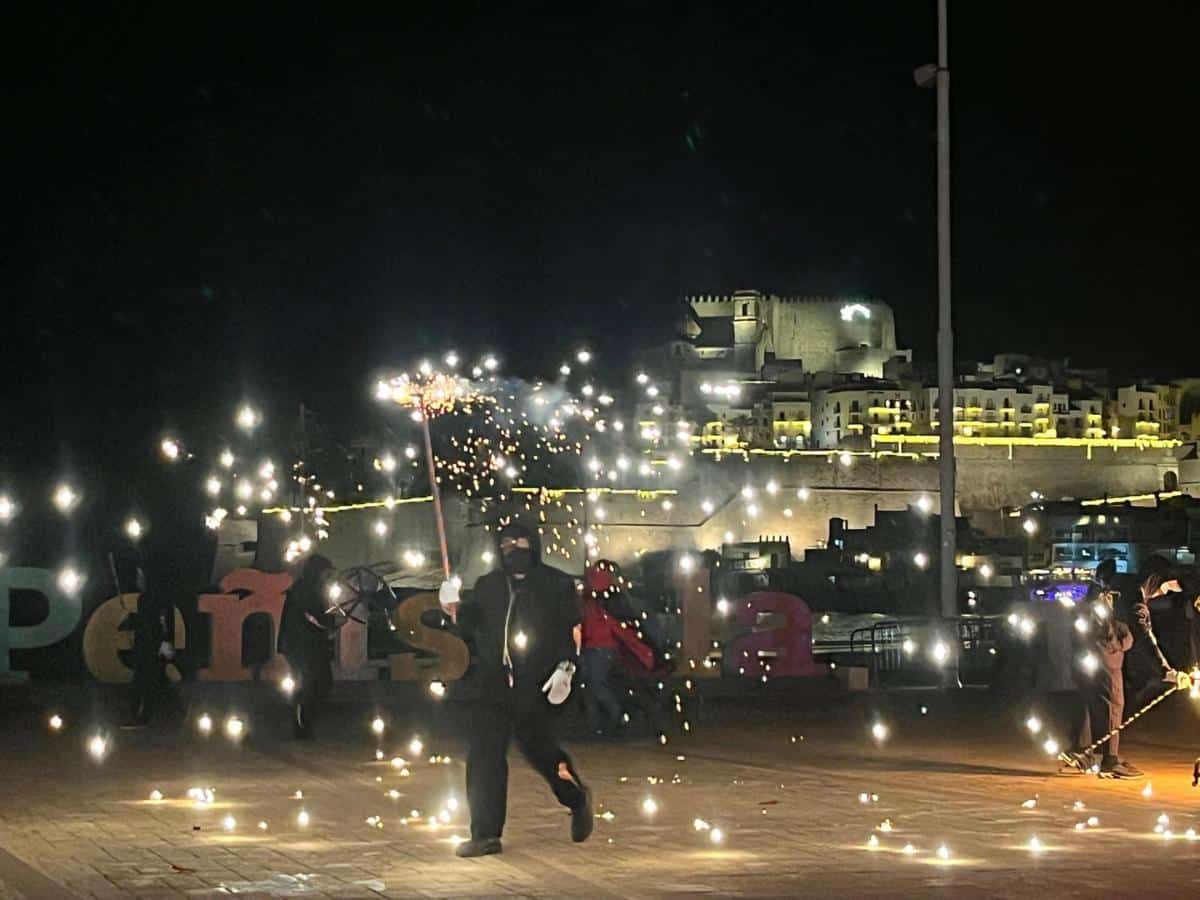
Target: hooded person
1104, 639
162, 586
305, 627
522, 624
1147, 671
599, 650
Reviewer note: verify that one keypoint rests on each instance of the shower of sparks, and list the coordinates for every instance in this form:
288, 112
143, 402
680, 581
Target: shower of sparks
433, 393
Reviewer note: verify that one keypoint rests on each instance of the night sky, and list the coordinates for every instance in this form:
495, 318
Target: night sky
271, 203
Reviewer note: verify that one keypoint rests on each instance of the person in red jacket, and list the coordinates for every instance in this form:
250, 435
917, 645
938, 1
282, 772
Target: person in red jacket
599, 650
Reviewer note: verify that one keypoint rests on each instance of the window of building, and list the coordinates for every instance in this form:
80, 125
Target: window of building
745, 309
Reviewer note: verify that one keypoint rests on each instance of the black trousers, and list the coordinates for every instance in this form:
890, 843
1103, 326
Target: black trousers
153, 691
491, 727
151, 687
1103, 708
313, 673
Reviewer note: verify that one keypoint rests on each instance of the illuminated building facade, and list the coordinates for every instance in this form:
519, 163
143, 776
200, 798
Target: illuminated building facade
989, 409
1145, 411
765, 371
858, 410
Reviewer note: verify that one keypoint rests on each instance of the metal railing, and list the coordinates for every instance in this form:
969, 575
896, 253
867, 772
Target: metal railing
880, 647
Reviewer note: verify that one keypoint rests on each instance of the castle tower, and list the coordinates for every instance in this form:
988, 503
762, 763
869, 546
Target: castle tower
748, 326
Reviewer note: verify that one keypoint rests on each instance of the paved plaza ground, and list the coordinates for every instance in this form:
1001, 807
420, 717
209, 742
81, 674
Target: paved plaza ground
782, 779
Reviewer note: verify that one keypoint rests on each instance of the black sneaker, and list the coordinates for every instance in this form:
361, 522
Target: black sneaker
1121, 769
301, 727
482, 847
582, 820
1076, 761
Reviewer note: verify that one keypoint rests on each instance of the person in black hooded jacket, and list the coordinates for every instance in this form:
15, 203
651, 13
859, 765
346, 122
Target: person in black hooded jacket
305, 627
160, 582
522, 623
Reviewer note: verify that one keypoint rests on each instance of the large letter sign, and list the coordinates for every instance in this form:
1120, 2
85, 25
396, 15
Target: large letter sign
452, 654
787, 647
103, 641
247, 591
693, 599
62, 613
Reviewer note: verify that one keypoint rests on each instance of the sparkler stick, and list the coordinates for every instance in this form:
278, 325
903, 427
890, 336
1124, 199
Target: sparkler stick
429, 394
433, 489
1141, 712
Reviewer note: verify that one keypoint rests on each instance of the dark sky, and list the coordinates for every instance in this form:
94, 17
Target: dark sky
269, 203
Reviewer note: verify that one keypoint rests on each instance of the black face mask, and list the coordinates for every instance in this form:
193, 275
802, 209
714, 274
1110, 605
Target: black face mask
518, 561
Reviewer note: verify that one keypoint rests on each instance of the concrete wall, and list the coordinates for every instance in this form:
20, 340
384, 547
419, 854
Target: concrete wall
987, 480
632, 524
1189, 469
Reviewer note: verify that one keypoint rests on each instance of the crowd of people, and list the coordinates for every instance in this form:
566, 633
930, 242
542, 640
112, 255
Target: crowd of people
533, 632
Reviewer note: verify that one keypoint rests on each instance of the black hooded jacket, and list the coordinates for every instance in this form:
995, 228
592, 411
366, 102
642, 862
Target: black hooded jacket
541, 610
299, 640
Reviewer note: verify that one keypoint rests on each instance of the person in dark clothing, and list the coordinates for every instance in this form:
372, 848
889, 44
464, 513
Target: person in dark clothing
175, 558
1191, 617
1104, 640
522, 623
1147, 672
305, 627
154, 637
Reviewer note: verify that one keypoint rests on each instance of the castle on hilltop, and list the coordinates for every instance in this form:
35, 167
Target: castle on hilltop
746, 330
754, 370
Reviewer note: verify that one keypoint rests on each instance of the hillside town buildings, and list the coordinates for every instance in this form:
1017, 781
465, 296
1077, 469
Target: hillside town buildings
759, 371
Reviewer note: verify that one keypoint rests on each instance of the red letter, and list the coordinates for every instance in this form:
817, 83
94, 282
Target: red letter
247, 591
787, 647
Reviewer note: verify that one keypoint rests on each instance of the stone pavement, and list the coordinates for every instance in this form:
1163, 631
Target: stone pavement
782, 783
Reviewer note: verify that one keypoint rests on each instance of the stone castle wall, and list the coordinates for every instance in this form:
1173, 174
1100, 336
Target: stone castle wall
987, 480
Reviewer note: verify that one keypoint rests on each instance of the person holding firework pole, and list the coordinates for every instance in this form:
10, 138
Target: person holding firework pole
305, 630
1108, 639
522, 623
1146, 667
1104, 642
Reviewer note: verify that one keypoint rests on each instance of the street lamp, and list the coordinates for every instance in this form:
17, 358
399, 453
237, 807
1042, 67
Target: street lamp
939, 75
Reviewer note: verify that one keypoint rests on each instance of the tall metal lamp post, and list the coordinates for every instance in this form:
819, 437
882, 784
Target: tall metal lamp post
939, 75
